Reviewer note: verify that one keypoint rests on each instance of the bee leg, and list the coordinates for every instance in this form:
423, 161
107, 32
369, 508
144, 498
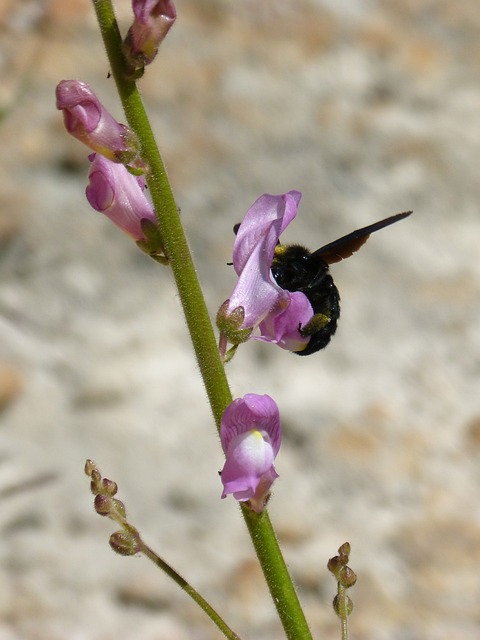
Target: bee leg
318, 322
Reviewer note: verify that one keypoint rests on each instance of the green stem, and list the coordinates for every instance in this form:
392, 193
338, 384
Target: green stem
276, 575
197, 317
183, 584
173, 237
343, 607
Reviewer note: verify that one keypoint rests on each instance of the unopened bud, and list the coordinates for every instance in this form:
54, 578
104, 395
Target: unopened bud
125, 543
119, 195
334, 565
118, 511
345, 549
109, 487
90, 467
342, 606
88, 120
153, 19
347, 577
103, 504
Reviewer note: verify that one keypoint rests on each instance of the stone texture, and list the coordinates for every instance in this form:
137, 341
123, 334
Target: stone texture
369, 109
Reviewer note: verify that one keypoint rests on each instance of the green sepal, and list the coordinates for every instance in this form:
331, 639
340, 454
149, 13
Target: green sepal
229, 324
152, 243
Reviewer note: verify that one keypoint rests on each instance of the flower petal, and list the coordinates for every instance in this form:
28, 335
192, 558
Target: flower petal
263, 223
251, 437
253, 411
256, 291
283, 328
114, 191
249, 457
86, 119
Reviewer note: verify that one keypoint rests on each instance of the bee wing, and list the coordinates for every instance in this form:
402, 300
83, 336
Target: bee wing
347, 245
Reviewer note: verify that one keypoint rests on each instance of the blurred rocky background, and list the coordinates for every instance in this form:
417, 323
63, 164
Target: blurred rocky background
367, 107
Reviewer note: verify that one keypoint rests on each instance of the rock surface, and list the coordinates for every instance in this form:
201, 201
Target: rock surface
369, 108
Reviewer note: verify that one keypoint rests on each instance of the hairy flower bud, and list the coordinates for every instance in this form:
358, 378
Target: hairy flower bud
86, 119
114, 191
343, 606
109, 487
103, 505
125, 543
153, 19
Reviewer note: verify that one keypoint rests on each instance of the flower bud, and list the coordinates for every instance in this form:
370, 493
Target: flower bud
335, 565
90, 468
109, 487
125, 543
117, 510
103, 505
347, 577
153, 19
86, 119
114, 191
343, 606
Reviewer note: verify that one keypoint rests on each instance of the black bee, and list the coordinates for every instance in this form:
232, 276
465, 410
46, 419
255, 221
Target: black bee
295, 268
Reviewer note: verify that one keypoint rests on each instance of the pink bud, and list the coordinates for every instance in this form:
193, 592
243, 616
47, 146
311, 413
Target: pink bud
153, 19
114, 191
86, 119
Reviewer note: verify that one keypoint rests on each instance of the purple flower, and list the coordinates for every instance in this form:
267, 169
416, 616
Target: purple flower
251, 436
257, 300
118, 194
87, 120
153, 19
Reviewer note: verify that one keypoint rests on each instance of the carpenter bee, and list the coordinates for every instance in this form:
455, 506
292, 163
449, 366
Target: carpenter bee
295, 268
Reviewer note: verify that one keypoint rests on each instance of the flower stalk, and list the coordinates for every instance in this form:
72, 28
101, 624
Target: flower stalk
198, 321
346, 578
128, 541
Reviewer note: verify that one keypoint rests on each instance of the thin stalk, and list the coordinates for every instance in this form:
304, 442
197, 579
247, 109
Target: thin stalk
173, 236
183, 584
343, 608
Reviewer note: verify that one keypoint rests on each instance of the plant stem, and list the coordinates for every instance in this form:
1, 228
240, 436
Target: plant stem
173, 237
276, 574
197, 317
343, 607
183, 584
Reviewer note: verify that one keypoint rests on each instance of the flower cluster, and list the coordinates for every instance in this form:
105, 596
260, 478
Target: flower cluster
250, 427
113, 189
116, 184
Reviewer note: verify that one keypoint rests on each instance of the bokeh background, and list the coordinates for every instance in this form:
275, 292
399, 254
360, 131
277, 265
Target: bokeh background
367, 107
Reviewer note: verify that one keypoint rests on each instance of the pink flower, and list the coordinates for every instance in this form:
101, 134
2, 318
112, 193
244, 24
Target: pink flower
251, 436
153, 19
257, 300
87, 120
118, 194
